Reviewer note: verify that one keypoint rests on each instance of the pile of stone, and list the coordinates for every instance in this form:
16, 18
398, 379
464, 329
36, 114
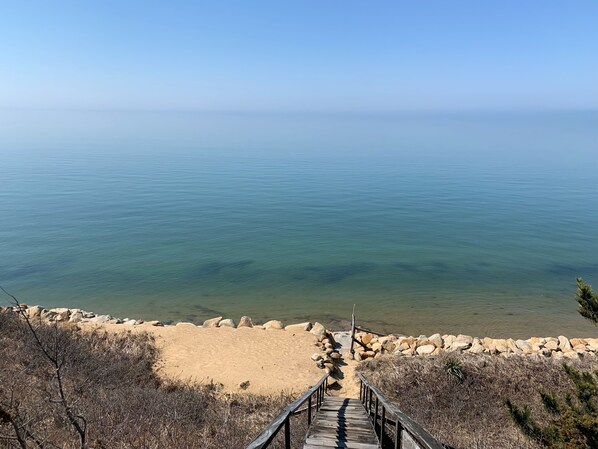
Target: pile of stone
66, 315
329, 357
246, 321
556, 348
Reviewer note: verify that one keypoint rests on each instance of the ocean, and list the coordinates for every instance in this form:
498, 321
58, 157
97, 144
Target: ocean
452, 222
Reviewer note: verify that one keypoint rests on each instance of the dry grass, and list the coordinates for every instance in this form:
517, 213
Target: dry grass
470, 414
109, 381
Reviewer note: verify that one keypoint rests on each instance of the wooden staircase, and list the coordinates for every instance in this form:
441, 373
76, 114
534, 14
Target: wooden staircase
341, 423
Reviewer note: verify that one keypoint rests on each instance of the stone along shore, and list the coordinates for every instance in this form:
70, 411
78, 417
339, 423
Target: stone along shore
370, 346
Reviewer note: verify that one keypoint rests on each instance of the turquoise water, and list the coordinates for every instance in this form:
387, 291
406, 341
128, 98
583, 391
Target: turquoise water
472, 223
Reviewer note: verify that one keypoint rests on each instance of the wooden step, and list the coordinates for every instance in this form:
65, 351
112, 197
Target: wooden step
341, 423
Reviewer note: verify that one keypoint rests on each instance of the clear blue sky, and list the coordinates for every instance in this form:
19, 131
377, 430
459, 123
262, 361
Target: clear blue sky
299, 55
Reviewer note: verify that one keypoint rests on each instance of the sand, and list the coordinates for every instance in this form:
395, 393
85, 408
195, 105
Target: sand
273, 361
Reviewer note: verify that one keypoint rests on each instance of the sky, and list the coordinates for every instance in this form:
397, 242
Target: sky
299, 55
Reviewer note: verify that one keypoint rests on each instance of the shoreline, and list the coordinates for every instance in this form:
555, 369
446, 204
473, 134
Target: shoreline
405, 342
269, 358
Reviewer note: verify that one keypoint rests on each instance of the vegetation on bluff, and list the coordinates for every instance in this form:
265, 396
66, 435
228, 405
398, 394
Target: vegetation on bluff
63, 387
460, 398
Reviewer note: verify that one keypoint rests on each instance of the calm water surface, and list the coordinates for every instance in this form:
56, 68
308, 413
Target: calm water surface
471, 223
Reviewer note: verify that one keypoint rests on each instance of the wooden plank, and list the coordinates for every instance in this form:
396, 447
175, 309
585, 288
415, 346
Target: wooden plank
268, 434
343, 424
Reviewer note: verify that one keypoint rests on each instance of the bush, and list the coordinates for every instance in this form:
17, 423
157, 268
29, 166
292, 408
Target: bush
574, 420
471, 413
109, 388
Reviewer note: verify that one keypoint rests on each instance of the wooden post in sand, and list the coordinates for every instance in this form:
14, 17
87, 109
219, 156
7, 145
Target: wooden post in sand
352, 350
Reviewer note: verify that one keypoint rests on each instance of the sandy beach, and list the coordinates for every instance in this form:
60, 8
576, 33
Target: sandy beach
271, 360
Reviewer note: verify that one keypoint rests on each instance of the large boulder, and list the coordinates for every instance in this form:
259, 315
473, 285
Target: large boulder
212, 322
525, 346
367, 338
564, 344
436, 340
34, 312
76, 316
245, 321
273, 324
300, 327
318, 330
226, 323
426, 349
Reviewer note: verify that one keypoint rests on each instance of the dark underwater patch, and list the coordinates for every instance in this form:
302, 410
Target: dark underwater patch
11, 273
337, 273
572, 270
216, 268
206, 310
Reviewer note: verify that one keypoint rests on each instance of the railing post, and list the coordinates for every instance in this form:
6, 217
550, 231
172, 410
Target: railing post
398, 434
382, 424
287, 433
376, 415
309, 410
370, 401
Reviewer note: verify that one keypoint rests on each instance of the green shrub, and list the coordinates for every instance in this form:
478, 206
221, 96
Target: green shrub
574, 420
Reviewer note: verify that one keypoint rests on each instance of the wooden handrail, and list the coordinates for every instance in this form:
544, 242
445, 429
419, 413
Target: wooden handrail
401, 423
283, 419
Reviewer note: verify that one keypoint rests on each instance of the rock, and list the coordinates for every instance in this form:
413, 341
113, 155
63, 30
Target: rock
564, 344
513, 346
592, 344
76, 317
88, 314
571, 355
212, 322
34, 312
545, 352
389, 346
61, 314
367, 338
318, 330
244, 385
182, 324
502, 348
316, 357
367, 354
476, 349
335, 356
408, 352
448, 340
557, 355
578, 341
377, 346
273, 324
436, 340
245, 321
426, 349
524, 346
552, 345
464, 339
301, 327
100, 319
459, 346
155, 323
226, 323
